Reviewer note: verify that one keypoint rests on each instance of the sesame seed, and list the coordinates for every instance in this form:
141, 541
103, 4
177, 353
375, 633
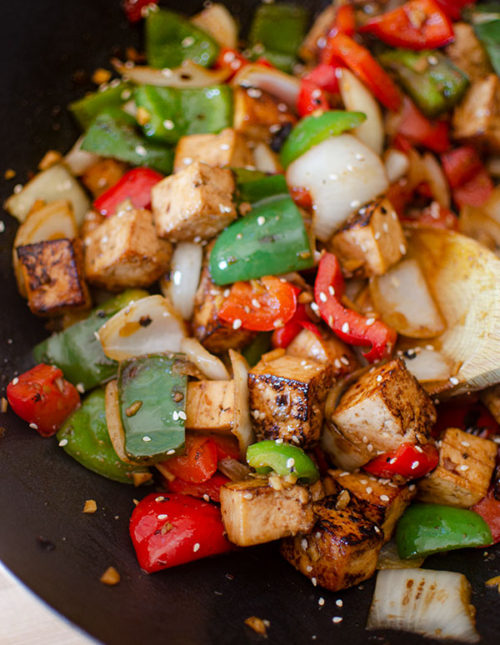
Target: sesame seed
454, 380
466, 444
141, 151
168, 124
175, 415
146, 438
377, 235
248, 496
237, 323
369, 447
355, 203
415, 465
369, 490
206, 497
278, 323
344, 360
315, 307
331, 290
15, 381
379, 378
80, 387
261, 220
384, 498
321, 601
182, 415
337, 364
2, 227
255, 303
278, 441
345, 328
369, 321
304, 544
63, 442
337, 619
463, 467
309, 568
322, 297
160, 498
196, 547
290, 463
402, 248
188, 41
377, 530
162, 516
34, 426
314, 581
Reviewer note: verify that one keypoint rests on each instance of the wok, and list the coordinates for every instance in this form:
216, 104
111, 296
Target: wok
45, 539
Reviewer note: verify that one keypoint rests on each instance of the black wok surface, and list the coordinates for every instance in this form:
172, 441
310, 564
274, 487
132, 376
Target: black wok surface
44, 45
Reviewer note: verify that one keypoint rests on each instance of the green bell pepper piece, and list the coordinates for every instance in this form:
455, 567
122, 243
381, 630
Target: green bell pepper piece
489, 34
271, 240
315, 129
77, 351
86, 109
431, 528
84, 436
433, 82
253, 186
113, 134
259, 345
283, 459
174, 113
156, 385
171, 39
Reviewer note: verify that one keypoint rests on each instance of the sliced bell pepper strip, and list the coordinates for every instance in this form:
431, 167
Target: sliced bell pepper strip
230, 59
271, 240
418, 24
417, 129
432, 528
43, 398
408, 460
433, 216
136, 185
488, 32
300, 320
349, 325
344, 23
170, 529
283, 459
311, 98
302, 197
199, 462
489, 509
208, 489
135, 9
454, 8
325, 77
227, 446
253, 186
85, 110
259, 305
259, 345
460, 165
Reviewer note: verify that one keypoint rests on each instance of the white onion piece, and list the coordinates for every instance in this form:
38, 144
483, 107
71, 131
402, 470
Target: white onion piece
242, 427
403, 300
51, 185
218, 23
188, 75
358, 98
147, 326
211, 366
282, 86
78, 160
388, 558
265, 159
435, 604
341, 174
114, 422
185, 277
397, 164
436, 180
428, 365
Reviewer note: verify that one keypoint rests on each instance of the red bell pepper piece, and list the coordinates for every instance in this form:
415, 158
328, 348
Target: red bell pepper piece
284, 336
433, 216
302, 197
43, 398
230, 59
135, 185
465, 416
489, 509
358, 59
198, 464
227, 446
343, 23
259, 305
476, 191
311, 98
418, 24
417, 129
325, 77
210, 488
349, 325
471, 182
135, 9
453, 8
171, 529
408, 460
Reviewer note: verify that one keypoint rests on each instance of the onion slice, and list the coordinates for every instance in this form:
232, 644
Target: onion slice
184, 277
114, 422
388, 558
147, 326
188, 75
284, 87
78, 160
435, 604
242, 427
217, 21
428, 365
234, 469
397, 164
211, 366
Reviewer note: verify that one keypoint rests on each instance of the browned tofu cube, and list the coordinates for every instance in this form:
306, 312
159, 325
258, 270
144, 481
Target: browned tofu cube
124, 251
254, 512
197, 202
102, 175
53, 276
258, 114
462, 478
342, 548
371, 241
383, 409
91, 221
477, 118
327, 349
287, 397
210, 406
467, 53
226, 149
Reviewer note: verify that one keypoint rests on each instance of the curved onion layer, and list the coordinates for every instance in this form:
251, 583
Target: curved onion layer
234, 469
242, 427
114, 422
78, 160
211, 366
358, 98
265, 159
188, 75
428, 366
388, 558
146, 326
341, 174
284, 87
219, 23
436, 180
435, 604
184, 277
397, 164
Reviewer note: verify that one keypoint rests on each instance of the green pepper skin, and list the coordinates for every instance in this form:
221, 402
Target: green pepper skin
85, 110
171, 39
271, 240
77, 351
253, 186
84, 436
431, 528
113, 134
283, 459
489, 34
259, 345
429, 77
157, 427
203, 110
315, 129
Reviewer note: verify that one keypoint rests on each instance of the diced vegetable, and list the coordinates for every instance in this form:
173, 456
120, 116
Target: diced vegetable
283, 336
136, 185
427, 365
260, 345
135, 10
211, 366
253, 186
420, 131
282, 86
408, 460
199, 462
188, 75
210, 488
217, 21
85, 110
488, 32
489, 509
242, 428
311, 99
283, 459
185, 269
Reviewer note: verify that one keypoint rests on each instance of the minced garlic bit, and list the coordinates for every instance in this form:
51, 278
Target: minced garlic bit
258, 625
50, 158
494, 582
101, 76
110, 577
4, 404
90, 506
141, 478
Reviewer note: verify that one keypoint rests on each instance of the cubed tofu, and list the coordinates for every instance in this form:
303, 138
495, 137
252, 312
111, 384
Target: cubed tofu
208, 328
257, 114
491, 399
463, 475
371, 241
477, 118
53, 276
327, 349
102, 175
287, 397
342, 548
467, 52
197, 202
254, 512
226, 149
124, 251
91, 221
383, 409
210, 406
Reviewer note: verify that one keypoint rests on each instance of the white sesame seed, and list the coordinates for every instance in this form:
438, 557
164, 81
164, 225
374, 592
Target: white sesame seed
141, 151
188, 41
309, 568
337, 619
315, 307
182, 415
160, 498
321, 601
196, 547
339, 602
369, 321
379, 378
369, 490
146, 438
377, 530
345, 328
206, 497
454, 380
15, 381
261, 220
290, 463
331, 290
377, 235
80, 387
402, 248
304, 544
34, 426
162, 516
168, 124
415, 465
222, 264
175, 415
322, 297
355, 203
384, 498
237, 323
463, 467
248, 496
63, 442
2, 226
255, 303
314, 581
466, 444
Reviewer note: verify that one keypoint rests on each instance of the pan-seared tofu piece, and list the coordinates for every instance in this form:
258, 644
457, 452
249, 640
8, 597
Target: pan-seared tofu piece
477, 117
102, 175
342, 548
491, 399
467, 52
463, 475
210, 406
91, 221
327, 349
124, 251
197, 202
287, 397
371, 241
53, 276
229, 148
257, 114
383, 409
254, 512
